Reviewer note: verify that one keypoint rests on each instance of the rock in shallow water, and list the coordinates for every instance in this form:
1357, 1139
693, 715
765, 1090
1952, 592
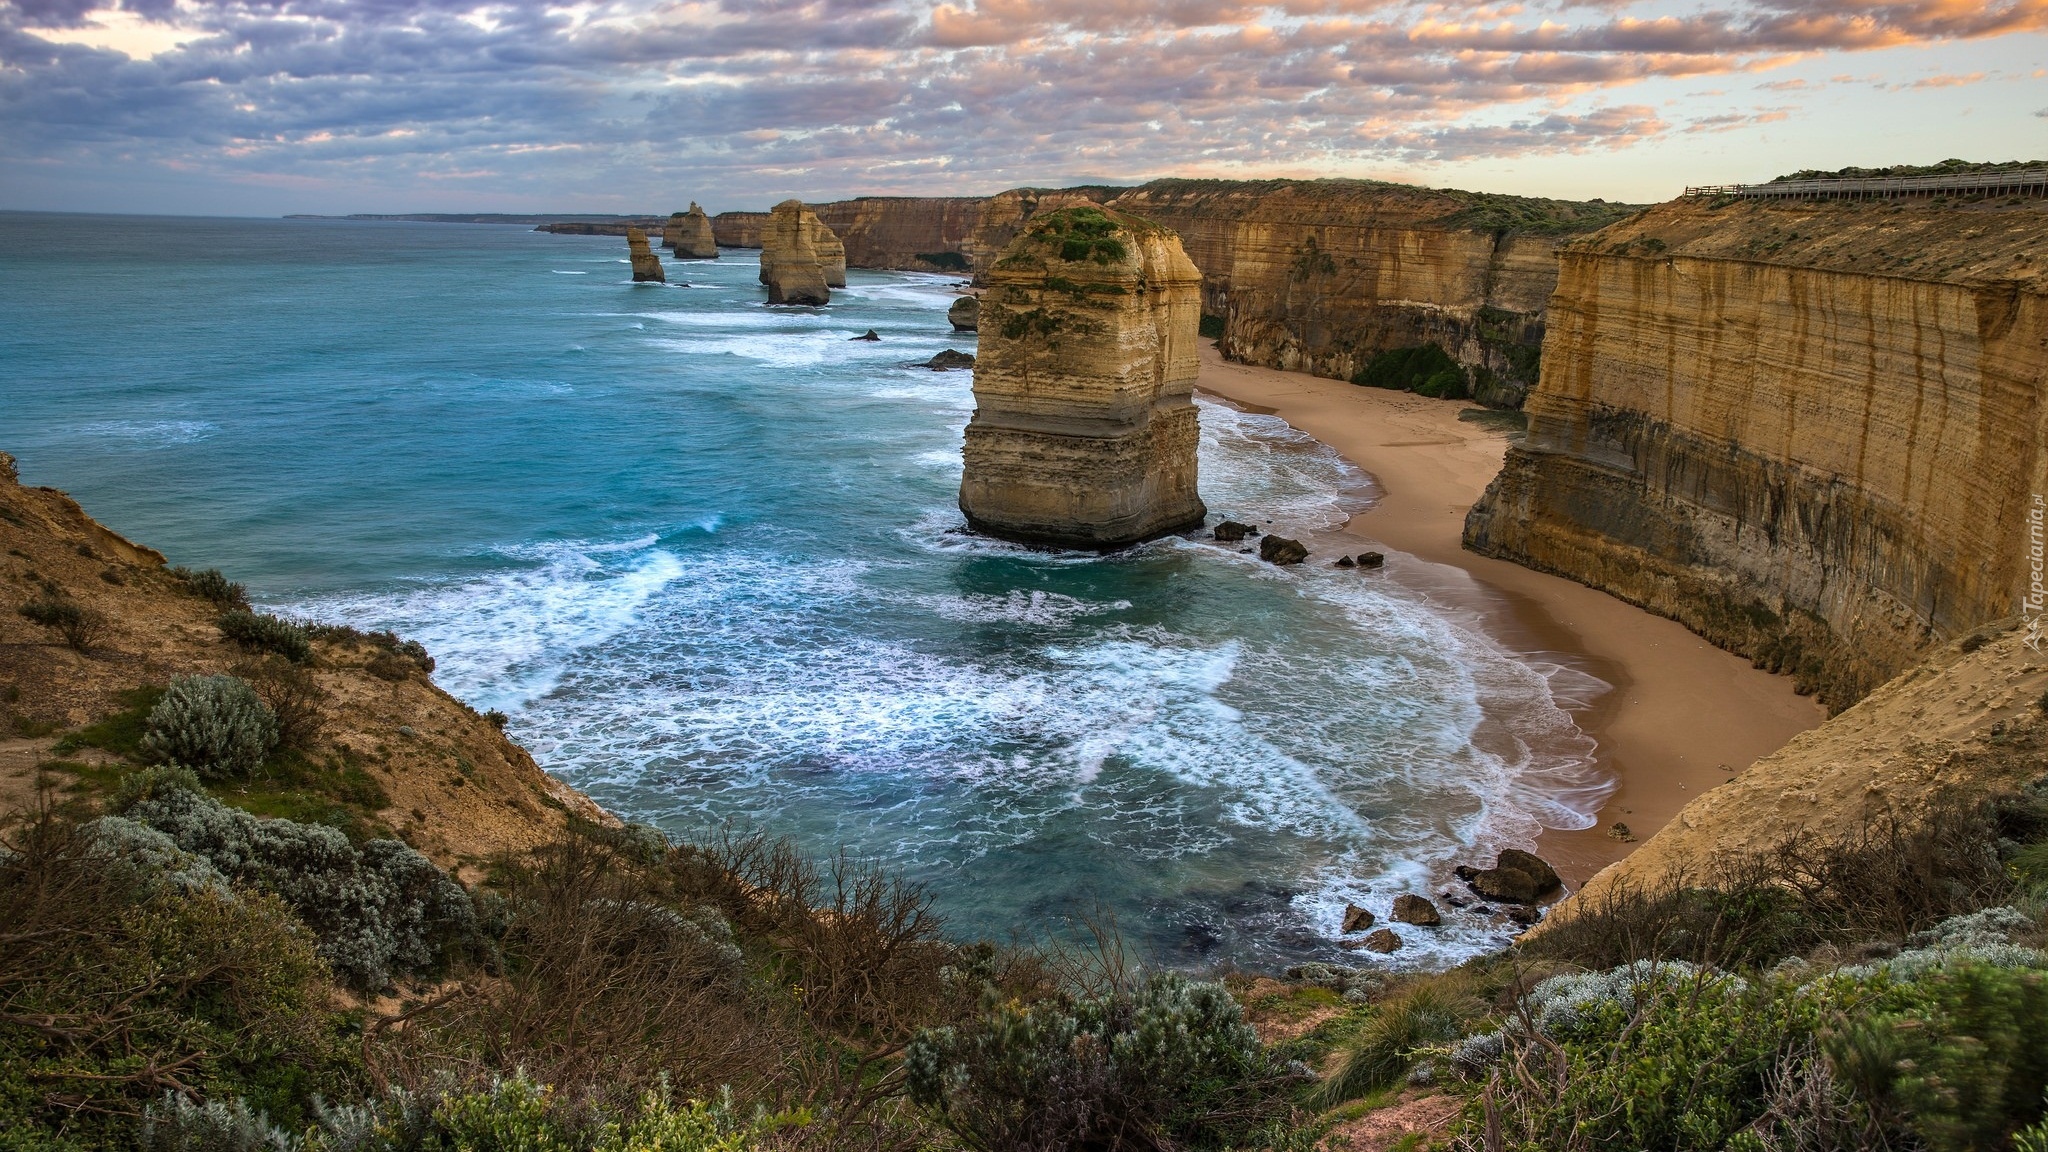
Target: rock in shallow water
1517, 877
1281, 550
1371, 560
1356, 919
870, 335
1230, 531
1383, 940
949, 360
1412, 909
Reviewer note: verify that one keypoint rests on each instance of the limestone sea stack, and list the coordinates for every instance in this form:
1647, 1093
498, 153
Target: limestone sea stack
1084, 430
831, 254
789, 256
646, 265
689, 235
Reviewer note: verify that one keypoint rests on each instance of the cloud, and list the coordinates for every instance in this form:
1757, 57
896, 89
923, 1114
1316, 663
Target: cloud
610, 101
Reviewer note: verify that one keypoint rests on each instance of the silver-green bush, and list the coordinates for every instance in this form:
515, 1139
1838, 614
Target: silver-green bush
215, 725
178, 1125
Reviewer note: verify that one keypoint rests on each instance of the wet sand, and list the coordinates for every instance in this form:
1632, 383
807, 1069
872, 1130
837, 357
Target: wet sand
1683, 715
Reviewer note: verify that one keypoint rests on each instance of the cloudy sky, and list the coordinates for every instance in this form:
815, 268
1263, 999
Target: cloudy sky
273, 106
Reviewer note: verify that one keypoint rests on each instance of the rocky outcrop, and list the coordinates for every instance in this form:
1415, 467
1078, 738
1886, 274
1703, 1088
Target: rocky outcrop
965, 314
646, 265
950, 360
1813, 432
790, 266
1084, 431
688, 234
831, 254
1963, 724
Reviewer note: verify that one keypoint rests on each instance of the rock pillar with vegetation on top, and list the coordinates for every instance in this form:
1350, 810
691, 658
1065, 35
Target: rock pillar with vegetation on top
790, 264
689, 235
646, 265
1084, 431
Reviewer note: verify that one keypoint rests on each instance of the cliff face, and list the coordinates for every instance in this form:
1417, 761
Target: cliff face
1084, 432
689, 235
646, 265
1323, 276
1813, 432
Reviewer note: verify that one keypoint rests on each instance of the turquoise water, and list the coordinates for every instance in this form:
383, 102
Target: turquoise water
705, 554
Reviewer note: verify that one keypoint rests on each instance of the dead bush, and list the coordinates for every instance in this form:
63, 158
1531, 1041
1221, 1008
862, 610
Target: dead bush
82, 628
293, 696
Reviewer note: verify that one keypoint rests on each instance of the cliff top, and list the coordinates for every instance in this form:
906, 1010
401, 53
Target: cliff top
1079, 235
1945, 168
1921, 239
1379, 202
389, 752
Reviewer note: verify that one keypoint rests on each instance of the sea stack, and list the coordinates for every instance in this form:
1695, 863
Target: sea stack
789, 256
646, 265
965, 314
689, 235
1084, 430
831, 252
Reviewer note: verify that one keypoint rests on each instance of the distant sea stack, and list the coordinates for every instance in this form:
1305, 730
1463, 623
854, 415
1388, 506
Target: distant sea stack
646, 265
965, 314
689, 235
1084, 431
790, 264
831, 253
1809, 430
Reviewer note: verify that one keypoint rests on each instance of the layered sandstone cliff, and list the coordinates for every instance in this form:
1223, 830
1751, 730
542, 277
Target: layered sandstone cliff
1323, 276
1084, 432
1811, 431
646, 265
790, 264
688, 235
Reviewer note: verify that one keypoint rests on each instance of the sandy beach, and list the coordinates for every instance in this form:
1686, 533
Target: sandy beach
1683, 715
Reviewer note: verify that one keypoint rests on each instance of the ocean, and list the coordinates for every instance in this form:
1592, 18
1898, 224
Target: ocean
705, 554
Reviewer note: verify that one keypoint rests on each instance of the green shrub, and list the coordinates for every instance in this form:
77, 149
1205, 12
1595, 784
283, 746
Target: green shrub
1084, 233
175, 1124
378, 910
82, 628
1426, 369
209, 584
1169, 1062
215, 725
263, 632
1959, 1056
1430, 1013
1210, 327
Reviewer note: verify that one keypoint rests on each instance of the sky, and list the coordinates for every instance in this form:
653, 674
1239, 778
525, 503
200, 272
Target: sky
266, 107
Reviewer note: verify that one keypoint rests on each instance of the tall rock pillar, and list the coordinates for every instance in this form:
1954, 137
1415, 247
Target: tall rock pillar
790, 264
689, 235
1084, 431
646, 265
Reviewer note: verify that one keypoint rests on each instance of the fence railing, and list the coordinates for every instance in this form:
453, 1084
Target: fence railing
2009, 182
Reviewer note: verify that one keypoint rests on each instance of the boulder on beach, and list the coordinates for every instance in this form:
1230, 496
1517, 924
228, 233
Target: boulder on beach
965, 314
1383, 941
1230, 531
949, 360
1281, 550
1413, 909
1371, 560
646, 265
1356, 919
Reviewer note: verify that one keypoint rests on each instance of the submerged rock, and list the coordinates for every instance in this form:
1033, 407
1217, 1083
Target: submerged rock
689, 235
790, 265
1356, 919
646, 265
1230, 531
965, 314
949, 360
1281, 550
1084, 431
1412, 909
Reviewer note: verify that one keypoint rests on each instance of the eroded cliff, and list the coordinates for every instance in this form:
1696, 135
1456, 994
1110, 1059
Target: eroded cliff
1811, 431
1084, 431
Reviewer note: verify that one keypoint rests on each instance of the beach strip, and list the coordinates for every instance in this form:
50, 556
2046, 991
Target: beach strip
1683, 716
